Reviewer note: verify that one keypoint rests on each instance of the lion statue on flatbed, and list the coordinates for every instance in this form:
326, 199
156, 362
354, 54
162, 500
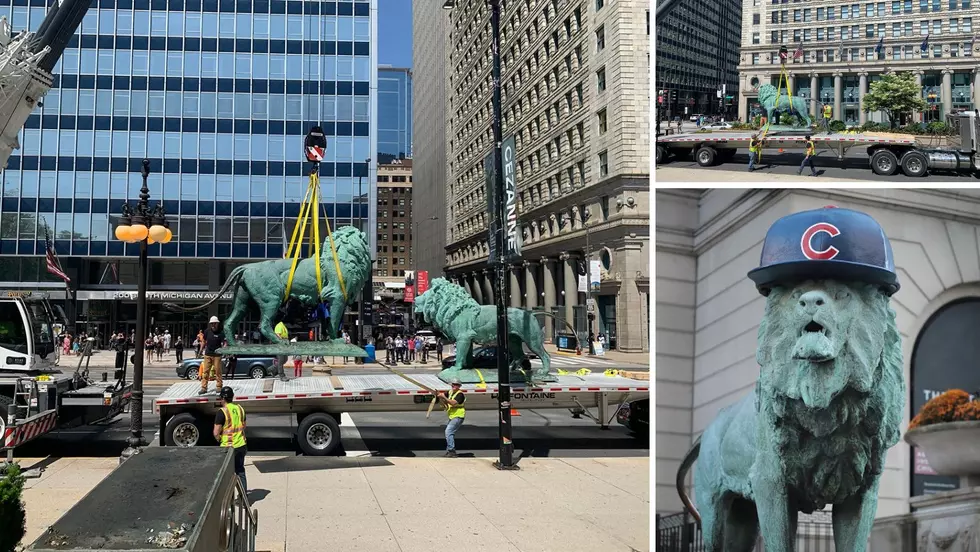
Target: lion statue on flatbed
263, 284
794, 104
453, 312
829, 400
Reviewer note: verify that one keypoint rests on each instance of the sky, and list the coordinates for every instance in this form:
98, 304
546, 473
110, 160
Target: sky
395, 32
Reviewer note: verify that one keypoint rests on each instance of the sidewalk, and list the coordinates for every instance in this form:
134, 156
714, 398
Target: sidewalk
667, 175
411, 504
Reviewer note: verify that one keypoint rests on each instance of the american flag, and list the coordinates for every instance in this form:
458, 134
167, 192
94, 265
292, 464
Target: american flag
925, 43
799, 51
881, 44
54, 265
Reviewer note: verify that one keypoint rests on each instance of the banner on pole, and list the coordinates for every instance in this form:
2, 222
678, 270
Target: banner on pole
409, 293
512, 236
594, 275
422, 282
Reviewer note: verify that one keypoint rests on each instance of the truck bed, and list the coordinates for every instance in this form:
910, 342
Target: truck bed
745, 136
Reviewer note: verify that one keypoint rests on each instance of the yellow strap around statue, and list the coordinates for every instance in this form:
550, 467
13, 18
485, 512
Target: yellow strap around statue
298, 243
309, 207
483, 383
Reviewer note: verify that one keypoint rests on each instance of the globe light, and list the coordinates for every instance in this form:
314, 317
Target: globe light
122, 233
138, 232
158, 233
150, 240
170, 236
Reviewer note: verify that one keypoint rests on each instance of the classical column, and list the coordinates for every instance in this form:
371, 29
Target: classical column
947, 91
814, 94
571, 286
976, 87
791, 83
917, 115
743, 102
515, 286
530, 286
862, 88
838, 96
548, 281
488, 276
477, 288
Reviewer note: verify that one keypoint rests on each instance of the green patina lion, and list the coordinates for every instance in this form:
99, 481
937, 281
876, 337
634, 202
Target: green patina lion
264, 283
827, 407
461, 319
795, 104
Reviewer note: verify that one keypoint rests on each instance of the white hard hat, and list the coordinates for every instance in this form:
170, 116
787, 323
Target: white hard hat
214, 320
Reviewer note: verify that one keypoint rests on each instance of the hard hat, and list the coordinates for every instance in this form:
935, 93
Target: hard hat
455, 381
227, 393
214, 320
828, 243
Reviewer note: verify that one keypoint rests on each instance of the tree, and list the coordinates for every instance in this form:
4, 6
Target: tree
13, 518
896, 94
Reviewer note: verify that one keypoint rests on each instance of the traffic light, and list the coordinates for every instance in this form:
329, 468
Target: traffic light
673, 96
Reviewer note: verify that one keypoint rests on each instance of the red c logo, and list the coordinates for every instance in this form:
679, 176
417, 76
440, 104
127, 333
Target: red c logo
805, 243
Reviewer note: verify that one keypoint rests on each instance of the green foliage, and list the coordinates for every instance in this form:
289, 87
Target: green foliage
935, 128
838, 126
738, 125
13, 518
895, 94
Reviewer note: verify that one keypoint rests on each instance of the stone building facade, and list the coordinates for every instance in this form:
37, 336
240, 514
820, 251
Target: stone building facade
575, 95
841, 56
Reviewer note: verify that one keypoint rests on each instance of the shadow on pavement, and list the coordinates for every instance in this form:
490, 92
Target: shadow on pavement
255, 495
317, 463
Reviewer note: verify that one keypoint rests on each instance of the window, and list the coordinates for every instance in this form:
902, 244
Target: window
923, 28
599, 4
923, 6
967, 25
896, 29
603, 164
600, 78
821, 15
937, 26
755, 19
937, 51
807, 15
756, 39
600, 38
954, 25
601, 116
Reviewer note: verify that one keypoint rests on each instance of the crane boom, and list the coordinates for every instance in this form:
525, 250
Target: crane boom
26, 62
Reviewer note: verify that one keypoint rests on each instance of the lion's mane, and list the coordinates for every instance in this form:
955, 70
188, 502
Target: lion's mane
443, 302
767, 95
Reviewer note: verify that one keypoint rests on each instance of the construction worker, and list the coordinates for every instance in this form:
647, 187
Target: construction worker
214, 339
755, 147
283, 333
453, 404
828, 112
810, 149
229, 430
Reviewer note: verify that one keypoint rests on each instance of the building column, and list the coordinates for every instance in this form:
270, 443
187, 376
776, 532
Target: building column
488, 276
571, 286
947, 92
476, 288
743, 102
976, 87
862, 87
791, 83
530, 287
838, 96
548, 281
515, 286
917, 115
814, 94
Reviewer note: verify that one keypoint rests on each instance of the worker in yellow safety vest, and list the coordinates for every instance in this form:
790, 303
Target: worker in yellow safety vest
810, 149
453, 402
755, 147
283, 333
828, 113
229, 430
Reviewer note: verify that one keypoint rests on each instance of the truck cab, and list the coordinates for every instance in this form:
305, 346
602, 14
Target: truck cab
27, 340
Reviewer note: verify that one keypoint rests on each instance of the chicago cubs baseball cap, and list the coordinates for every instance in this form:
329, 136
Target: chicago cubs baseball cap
827, 243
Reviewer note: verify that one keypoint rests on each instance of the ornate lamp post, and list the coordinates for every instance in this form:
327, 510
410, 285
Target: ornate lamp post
147, 226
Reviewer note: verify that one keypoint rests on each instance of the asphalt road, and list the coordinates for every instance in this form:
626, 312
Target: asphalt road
854, 166
536, 432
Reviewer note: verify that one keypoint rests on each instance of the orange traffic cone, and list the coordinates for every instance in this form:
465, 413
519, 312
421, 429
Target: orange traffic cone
781, 150
514, 412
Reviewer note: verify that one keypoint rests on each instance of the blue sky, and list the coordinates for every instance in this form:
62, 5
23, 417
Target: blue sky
395, 32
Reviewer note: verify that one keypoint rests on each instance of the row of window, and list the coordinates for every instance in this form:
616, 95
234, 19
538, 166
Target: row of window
256, 7
871, 30
85, 207
180, 166
207, 249
193, 84
903, 51
871, 9
240, 45
85, 123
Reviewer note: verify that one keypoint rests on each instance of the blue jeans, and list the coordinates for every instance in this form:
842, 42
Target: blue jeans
451, 429
752, 157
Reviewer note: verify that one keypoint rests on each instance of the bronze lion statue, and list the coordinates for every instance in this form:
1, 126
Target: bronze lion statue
795, 104
830, 396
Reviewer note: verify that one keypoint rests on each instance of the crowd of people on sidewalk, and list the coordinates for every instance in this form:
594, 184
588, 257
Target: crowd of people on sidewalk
411, 348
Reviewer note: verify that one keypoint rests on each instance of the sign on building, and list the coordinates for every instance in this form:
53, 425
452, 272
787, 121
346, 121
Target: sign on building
409, 294
422, 282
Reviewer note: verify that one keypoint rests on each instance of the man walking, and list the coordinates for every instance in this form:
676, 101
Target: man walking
283, 333
439, 349
456, 412
214, 339
411, 348
828, 113
229, 430
809, 151
755, 146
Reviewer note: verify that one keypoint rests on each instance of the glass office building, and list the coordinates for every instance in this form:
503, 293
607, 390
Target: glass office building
394, 114
218, 95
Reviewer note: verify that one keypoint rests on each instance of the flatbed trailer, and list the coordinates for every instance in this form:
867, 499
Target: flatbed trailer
886, 155
187, 418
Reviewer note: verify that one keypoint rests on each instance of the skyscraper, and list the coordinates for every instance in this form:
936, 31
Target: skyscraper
218, 95
394, 114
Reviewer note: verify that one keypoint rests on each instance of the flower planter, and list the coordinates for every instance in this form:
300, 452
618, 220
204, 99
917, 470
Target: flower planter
952, 448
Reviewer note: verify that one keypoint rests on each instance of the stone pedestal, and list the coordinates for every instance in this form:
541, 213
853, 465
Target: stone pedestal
941, 522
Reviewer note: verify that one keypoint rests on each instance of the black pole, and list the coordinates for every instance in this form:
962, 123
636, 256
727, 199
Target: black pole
502, 288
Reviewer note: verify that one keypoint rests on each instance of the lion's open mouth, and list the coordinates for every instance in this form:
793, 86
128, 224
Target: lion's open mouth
815, 327
814, 343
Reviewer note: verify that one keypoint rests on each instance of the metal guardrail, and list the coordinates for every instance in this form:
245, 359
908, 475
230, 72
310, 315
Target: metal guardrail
680, 533
243, 521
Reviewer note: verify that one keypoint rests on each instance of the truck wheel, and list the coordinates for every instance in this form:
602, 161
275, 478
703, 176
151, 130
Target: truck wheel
884, 162
706, 156
184, 431
914, 164
257, 372
661, 155
319, 434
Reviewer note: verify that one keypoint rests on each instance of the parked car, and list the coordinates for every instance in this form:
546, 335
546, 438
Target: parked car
717, 126
245, 367
635, 415
428, 339
485, 358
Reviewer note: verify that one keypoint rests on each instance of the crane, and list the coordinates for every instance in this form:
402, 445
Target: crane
26, 61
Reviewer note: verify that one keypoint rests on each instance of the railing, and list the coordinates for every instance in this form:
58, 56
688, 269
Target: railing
679, 533
243, 521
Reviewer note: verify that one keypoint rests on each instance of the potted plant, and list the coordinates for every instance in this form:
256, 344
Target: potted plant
947, 431
12, 516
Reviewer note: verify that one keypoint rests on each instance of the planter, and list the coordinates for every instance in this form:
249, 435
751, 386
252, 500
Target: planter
952, 448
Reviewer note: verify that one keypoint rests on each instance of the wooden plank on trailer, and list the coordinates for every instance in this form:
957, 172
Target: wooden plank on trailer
335, 382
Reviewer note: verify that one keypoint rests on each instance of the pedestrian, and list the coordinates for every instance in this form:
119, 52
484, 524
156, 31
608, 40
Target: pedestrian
119, 344
148, 346
214, 339
755, 146
346, 338
179, 349
229, 430
411, 348
389, 349
297, 362
167, 342
311, 335
828, 114
809, 149
421, 349
199, 344
439, 349
453, 404
400, 346
159, 346
282, 332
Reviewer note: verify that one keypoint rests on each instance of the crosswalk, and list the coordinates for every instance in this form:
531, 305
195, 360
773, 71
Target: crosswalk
576, 362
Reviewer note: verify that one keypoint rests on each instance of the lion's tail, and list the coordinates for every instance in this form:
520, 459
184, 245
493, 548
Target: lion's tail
231, 282
682, 471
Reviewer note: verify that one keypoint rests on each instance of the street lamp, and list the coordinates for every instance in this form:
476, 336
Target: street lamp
502, 288
147, 226
367, 294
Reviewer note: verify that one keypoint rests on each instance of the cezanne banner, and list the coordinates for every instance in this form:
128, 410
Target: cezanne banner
512, 237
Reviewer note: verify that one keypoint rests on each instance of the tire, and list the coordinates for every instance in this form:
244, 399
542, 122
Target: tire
706, 156
884, 162
185, 431
256, 372
661, 155
318, 434
915, 164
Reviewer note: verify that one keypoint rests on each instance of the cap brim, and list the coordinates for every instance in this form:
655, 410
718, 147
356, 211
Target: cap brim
784, 273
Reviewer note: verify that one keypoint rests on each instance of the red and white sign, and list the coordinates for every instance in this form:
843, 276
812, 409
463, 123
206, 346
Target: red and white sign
409, 295
422, 282
314, 153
